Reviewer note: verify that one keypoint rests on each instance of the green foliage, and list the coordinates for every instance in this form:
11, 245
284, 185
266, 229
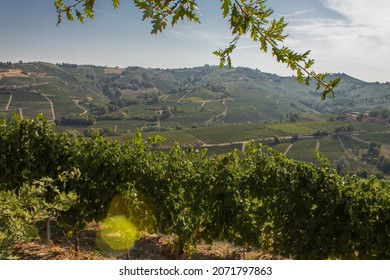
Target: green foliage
34, 202
380, 112
160, 11
263, 200
253, 17
246, 17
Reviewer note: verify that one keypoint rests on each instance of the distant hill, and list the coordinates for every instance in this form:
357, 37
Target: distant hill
207, 107
158, 99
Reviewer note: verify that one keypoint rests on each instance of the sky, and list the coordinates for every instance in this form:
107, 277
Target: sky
344, 36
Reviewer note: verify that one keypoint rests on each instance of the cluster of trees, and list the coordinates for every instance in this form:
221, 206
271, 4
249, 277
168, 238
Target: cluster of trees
321, 133
293, 117
77, 120
71, 65
98, 109
345, 129
374, 157
105, 131
112, 90
5, 64
216, 87
137, 84
384, 165
149, 98
380, 112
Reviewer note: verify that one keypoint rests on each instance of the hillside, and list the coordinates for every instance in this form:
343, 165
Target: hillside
42, 87
196, 193
207, 107
157, 98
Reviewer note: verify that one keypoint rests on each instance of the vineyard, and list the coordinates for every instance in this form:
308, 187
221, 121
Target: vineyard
260, 199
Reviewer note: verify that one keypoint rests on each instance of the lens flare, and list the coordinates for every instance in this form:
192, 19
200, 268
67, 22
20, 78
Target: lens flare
128, 213
118, 233
136, 208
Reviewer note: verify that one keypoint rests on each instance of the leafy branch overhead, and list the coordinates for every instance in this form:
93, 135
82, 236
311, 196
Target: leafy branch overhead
246, 17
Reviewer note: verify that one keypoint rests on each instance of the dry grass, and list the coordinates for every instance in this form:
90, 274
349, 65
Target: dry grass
385, 151
110, 70
13, 73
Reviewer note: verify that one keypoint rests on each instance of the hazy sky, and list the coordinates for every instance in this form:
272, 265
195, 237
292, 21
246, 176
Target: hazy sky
351, 36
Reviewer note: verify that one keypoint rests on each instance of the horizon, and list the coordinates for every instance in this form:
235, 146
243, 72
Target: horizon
185, 67
358, 40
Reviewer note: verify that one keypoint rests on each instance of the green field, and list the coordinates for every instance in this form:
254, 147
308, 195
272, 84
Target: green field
30, 104
202, 95
64, 106
121, 125
4, 97
232, 133
354, 147
5, 81
242, 115
181, 137
306, 127
187, 107
376, 137
331, 148
281, 147
223, 149
192, 118
303, 150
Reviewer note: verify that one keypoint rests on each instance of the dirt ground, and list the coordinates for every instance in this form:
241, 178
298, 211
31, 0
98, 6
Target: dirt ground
385, 151
13, 73
110, 70
147, 247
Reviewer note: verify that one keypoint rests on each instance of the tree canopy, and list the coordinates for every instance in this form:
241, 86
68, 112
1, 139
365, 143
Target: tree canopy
246, 17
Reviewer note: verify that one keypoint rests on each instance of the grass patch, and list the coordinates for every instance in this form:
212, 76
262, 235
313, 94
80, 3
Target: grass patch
383, 138
233, 133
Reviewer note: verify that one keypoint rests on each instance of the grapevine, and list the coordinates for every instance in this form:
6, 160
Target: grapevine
260, 199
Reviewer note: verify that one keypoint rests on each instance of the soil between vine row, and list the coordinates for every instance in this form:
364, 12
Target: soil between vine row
147, 247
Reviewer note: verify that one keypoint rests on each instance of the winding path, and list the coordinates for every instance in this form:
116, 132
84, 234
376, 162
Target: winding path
77, 102
318, 145
20, 113
184, 96
243, 146
288, 149
345, 149
218, 117
9, 101
52, 108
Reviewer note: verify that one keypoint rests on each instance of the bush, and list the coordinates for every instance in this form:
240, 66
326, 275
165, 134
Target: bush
264, 200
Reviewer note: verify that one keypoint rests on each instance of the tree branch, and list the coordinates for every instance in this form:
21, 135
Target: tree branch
291, 62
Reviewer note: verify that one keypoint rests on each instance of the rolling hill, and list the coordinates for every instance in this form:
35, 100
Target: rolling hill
207, 107
158, 98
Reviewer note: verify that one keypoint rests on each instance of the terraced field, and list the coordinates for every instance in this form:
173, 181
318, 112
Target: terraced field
233, 133
31, 103
331, 148
380, 137
303, 150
